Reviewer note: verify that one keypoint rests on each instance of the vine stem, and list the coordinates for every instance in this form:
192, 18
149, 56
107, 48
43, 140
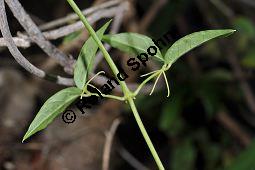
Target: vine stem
127, 93
145, 134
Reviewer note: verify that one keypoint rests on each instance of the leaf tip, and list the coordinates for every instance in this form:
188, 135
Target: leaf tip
28, 134
110, 20
25, 138
231, 31
107, 23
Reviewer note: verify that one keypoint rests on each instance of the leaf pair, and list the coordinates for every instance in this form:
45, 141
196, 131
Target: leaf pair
128, 42
57, 103
134, 43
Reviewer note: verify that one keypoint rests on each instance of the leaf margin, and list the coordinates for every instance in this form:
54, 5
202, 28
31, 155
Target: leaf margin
39, 126
109, 38
170, 61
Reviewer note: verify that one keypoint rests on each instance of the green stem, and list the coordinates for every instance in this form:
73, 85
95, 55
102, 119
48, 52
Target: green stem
105, 96
145, 135
128, 95
98, 41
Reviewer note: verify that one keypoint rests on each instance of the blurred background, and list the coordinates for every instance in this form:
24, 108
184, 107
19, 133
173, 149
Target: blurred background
208, 123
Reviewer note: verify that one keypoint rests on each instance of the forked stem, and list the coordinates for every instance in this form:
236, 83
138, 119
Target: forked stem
128, 95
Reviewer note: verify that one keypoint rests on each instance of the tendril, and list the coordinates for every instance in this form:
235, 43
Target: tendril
152, 90
144, 75
167, 85
95, 88
85, 87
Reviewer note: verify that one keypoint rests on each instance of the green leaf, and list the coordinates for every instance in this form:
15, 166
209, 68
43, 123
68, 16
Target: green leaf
246, 160
191, 41
132, 43
69, 38
86, 58
55, 105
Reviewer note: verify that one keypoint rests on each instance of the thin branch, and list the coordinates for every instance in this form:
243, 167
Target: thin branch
108, 144
131, 159
11, 45
235, 129
149, 16
36, 35
68, 29
73, 16
17, 54
20, 42
10, 42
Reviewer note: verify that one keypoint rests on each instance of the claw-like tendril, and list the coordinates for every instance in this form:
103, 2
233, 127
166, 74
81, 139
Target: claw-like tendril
167, 85
149, 73
85, 87
152, 90
162, 71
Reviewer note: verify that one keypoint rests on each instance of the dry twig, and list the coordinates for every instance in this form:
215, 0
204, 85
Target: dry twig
68, 29
131, 159
235, 129
71, 17
17, 54
149, 16
108, 144
36, 35
42, 40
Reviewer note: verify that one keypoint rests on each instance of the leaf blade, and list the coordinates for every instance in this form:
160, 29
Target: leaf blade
51, 108
86, 57
192, 41
132, 43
